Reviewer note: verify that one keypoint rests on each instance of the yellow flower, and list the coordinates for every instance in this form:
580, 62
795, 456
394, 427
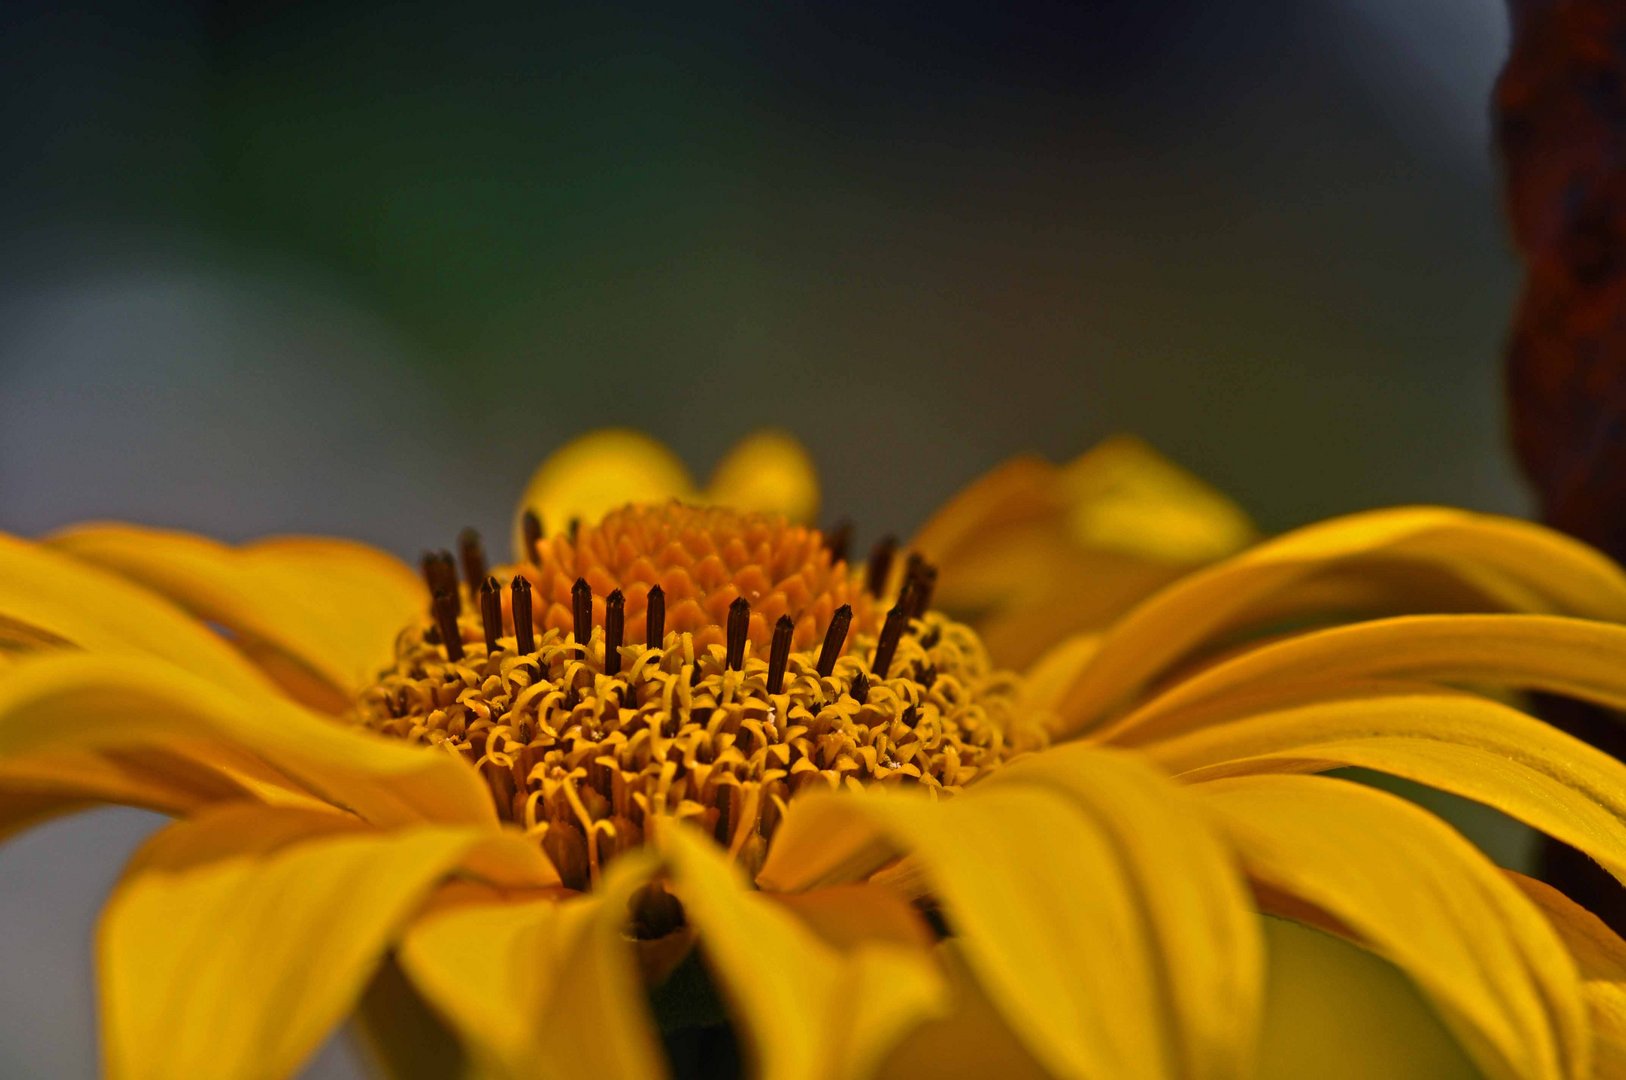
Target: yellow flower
526, 797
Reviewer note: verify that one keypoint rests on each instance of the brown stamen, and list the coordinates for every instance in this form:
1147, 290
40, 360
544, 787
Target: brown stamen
451, 637
739, 622
581, 607
530, 525
520, 596
779, 653
615, 615
859, 690
834, 639
491, 612
438, 574
655, 617
839, 539
472, 553
887, 644
880, 563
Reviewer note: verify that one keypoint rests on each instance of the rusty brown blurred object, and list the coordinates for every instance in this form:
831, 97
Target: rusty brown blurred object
1561, 112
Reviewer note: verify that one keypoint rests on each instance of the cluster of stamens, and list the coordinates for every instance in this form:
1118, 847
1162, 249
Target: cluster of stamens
589, 740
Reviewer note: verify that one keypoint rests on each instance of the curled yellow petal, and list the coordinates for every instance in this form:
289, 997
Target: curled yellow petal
543, 987
76, 702
237, 940
850, 1006
330, 608
1336, 1012
1375, 563
1574, 657
769, 472
1196, 908
596, 473
1038, 895
1601, 956
49, 597
1467, 745
1423, 898
1032, 551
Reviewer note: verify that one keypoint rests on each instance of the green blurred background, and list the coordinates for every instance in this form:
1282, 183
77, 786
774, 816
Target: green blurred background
355, 267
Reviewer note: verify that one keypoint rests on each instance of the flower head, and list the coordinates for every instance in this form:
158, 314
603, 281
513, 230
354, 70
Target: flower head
907, 815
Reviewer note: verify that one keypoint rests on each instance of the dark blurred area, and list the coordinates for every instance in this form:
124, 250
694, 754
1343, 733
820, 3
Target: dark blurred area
355, 268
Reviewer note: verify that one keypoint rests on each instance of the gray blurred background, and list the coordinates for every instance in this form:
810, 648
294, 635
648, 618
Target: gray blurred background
354, 268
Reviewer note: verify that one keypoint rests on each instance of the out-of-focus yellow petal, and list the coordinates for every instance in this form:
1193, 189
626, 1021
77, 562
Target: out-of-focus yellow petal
1191, 893
50, 596
846, 916
1574, 657
237, 940
1601, 956
542, 988
969, 1042
1426, 900
1054, 671
594, 474
807, 1010
1049, 919
1124, 496
770, 472
1336, 1012
1507, 565
329, 607
1466, 745
75, 702
1033, 551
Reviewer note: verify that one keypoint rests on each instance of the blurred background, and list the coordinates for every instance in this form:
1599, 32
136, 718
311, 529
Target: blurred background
355, 267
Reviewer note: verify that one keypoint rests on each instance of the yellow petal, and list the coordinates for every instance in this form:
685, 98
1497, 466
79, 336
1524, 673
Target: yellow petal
1038, 895
1601, 956
1196, 907
1336, 1012
1573, 657
237, 940
1466, 745
1423, 898
1468, 559
770, 472
542, 988
328, 607
596, 473
75, 702
65, 600
1124, 496
807, 1010
969, 1042
1032, 551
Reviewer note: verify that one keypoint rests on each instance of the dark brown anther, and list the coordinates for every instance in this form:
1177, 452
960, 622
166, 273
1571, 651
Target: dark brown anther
574, 529
887, 644
921, 591
739, 624
439, 575
472, 553
911, 568
859, 690
880, 564
530, 525
779, 653
581, 607
446, 622
655, 617
839, 539
834, 638
615, 617
491, 612
524, 634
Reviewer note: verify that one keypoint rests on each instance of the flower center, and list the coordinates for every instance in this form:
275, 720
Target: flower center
763, 668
